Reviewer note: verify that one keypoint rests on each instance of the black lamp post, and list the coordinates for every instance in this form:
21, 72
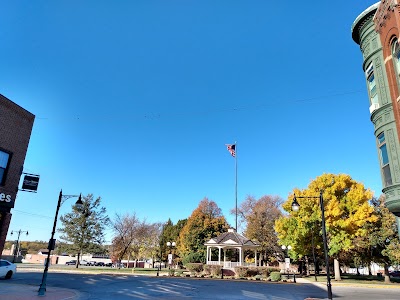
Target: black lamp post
296, 207
52, 241
19, 233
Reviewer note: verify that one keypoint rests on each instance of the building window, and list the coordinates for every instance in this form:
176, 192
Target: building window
4, 160
384, 157
373, 94
396, 56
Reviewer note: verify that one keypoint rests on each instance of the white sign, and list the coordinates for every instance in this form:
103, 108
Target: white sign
287, 262
170, 259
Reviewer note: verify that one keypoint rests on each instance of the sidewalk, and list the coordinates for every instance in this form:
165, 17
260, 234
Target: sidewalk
13, 291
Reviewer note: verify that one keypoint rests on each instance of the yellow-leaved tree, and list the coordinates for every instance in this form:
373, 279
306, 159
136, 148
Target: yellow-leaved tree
205, 222
347, 211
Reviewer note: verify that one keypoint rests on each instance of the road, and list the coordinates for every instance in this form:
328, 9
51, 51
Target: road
103, 286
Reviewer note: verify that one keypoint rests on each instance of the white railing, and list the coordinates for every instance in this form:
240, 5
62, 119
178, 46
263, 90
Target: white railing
230, 264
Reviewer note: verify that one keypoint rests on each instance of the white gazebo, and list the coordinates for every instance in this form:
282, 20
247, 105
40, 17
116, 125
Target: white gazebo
231, 240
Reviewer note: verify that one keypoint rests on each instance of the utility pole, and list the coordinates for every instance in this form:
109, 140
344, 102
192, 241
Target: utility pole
19, 233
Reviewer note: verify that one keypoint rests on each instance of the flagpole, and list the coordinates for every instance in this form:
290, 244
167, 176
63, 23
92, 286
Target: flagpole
236, 187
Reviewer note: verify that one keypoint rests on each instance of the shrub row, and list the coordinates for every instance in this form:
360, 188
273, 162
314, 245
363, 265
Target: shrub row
254, 271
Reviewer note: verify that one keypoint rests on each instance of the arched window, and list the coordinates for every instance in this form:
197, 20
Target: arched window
373, 94
395, 47
384, 160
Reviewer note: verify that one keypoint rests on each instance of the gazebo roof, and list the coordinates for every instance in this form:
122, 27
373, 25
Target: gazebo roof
231, 238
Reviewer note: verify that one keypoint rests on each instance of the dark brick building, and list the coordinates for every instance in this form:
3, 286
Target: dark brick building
15, 131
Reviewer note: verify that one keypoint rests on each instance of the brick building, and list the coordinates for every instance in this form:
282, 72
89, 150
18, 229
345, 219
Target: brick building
15, 131
376, 31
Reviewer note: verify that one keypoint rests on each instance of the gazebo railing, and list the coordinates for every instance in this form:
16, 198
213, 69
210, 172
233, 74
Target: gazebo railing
230, 264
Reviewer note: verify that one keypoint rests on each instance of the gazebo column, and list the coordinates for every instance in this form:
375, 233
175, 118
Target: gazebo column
224, 256
240, 257
208, 254
255, 255
219, 255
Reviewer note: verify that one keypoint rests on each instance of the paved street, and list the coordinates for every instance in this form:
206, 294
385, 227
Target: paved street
91, 286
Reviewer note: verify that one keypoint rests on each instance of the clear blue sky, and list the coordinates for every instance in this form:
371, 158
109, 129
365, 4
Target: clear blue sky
135, 101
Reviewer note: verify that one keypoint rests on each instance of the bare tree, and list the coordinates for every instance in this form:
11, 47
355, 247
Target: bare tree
258, 217
134, 238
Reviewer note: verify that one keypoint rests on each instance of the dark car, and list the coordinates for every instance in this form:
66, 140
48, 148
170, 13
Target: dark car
71, 262
108, 264
394, 274
100, 264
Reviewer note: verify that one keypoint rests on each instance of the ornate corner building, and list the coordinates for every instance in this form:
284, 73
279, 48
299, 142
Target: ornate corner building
376, 30
15, 131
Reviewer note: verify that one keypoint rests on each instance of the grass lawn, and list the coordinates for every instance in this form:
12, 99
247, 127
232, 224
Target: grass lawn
351, 278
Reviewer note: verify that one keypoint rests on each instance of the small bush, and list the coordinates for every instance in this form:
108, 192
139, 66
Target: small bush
214, 270
195, 267
275, 276
241, 272
264, 271
171, 272
252, 271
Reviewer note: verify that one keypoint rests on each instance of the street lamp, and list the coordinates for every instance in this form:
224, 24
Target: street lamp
170, 245
19, 233
52, 241
296, 207
287, 260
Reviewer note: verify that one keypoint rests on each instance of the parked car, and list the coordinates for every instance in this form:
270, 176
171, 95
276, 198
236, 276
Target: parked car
7, 269
394, 274
100, 264
71, 262
84, 263
118, 265
108, 264
91, 263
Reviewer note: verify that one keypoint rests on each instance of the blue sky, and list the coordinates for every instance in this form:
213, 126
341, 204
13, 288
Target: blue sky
135, 101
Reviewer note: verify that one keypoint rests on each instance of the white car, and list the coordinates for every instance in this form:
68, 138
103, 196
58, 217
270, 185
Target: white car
84, 263
7, 269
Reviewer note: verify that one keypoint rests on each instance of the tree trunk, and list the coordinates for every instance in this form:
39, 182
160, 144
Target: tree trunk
337, 269
386, 268
78, 261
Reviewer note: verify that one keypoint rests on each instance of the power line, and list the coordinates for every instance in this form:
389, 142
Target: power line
159, 115
32, 214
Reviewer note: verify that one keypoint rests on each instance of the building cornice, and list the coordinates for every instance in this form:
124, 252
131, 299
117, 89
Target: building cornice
360, 21
383, 13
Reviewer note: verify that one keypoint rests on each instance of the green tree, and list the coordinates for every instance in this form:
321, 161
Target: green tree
83, 228
170, 233
258, 217
347, 211
383, 237
205, 222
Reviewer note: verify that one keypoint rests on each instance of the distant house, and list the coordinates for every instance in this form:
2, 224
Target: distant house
43, 252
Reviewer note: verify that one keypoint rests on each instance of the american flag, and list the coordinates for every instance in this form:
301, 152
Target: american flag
231, 148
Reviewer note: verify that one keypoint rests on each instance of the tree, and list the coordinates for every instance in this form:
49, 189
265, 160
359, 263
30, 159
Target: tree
83, 228
125, 228
134, 238
258, 217
347, 210
205, 222
383, 237
170, 233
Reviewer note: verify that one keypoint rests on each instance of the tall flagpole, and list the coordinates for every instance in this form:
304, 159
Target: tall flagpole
236, 187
